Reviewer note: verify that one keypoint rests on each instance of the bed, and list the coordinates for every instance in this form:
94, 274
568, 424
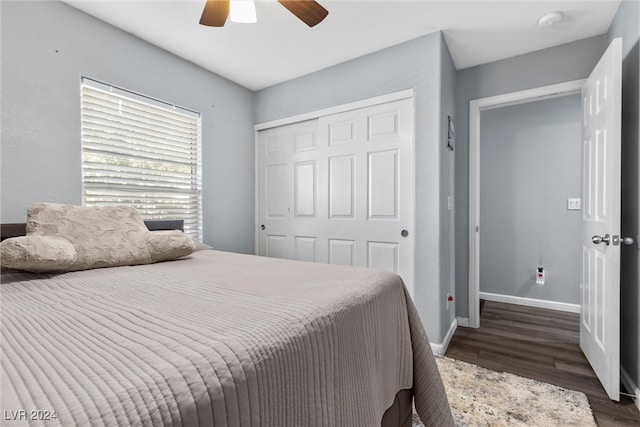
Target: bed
215, 339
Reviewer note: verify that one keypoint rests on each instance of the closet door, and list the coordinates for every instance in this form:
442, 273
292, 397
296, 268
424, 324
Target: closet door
288, 192
340, 189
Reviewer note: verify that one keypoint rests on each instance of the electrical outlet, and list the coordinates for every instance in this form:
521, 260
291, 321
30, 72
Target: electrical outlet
540, 276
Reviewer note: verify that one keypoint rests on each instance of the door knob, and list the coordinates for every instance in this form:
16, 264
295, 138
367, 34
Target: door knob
599, 239
404, 233
262, 227
627, 240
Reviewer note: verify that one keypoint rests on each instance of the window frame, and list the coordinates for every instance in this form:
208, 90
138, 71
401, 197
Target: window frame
195, 228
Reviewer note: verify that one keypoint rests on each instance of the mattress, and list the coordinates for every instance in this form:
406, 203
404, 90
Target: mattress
213, 339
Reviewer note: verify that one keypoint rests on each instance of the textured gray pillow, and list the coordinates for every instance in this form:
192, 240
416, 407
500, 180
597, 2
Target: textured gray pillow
106, 236
38, 253
168, 245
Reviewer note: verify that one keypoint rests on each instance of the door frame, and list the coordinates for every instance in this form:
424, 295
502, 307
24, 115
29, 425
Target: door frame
476, 106
368, 102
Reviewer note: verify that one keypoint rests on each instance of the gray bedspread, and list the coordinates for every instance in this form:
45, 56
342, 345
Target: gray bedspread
214, 339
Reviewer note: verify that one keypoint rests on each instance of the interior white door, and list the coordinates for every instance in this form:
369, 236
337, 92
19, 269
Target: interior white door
368, 194
288, 191
339, 189
600, 287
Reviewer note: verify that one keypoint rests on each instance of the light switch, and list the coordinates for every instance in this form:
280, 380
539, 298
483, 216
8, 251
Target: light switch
574, 204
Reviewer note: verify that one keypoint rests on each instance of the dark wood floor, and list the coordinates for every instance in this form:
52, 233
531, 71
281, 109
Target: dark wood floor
542, 345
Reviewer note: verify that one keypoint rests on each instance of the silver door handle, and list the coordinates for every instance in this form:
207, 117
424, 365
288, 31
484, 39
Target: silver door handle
599, 239
617, 240
627, 240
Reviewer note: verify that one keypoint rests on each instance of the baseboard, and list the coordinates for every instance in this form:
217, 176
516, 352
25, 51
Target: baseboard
440, 350
630, 385
531, 302
463, 321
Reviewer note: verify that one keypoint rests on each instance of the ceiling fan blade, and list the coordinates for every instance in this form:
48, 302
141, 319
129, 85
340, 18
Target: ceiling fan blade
215, 13
310, 12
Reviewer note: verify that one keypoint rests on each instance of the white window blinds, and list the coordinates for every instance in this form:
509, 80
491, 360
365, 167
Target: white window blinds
143, 153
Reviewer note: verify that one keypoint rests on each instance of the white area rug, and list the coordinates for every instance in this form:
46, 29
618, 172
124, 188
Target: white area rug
481, 397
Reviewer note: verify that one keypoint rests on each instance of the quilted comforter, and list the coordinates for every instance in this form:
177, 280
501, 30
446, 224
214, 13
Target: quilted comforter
214, 339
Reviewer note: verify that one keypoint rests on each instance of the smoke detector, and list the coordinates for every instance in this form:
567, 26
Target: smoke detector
550, 19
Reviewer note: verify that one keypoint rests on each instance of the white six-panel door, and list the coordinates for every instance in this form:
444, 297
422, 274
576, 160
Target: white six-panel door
339, 189
600, 287
288, 191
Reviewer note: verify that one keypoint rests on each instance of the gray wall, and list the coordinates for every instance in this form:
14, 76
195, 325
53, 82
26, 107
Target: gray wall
626, 24
447, 185
530, 164
559, 64
414, 64
46, 48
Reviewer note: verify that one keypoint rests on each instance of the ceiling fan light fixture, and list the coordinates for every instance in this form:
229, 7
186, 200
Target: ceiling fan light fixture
243, 12
216, 12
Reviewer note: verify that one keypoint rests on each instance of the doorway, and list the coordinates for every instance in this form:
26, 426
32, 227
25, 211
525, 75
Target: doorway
476, 108
601, 120
530, 203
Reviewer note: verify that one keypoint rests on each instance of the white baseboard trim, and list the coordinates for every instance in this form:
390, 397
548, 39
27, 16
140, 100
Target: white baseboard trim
439, 350
531, 302
463, 321
630, 385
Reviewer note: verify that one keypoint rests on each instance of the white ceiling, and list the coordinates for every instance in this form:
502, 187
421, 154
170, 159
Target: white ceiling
280, 47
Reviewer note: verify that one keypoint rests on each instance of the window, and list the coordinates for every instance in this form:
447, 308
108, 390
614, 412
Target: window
143, 153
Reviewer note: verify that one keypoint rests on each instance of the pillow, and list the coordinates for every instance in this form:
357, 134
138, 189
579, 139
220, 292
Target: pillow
166, 245
104, 236
95, 237
38, 253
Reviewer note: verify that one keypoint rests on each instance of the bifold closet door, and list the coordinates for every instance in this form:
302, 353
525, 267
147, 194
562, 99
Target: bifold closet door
339, 189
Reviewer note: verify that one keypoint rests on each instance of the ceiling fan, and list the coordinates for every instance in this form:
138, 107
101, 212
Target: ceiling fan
308, 11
